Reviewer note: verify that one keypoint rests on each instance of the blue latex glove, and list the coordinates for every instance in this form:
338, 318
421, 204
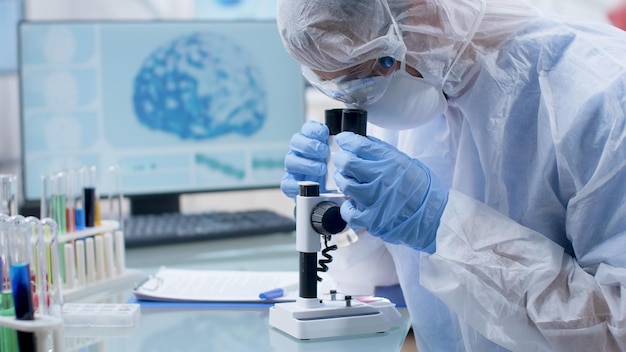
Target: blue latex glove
306, 159
391, 195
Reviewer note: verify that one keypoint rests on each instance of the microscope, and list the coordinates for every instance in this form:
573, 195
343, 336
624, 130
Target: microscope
317, 218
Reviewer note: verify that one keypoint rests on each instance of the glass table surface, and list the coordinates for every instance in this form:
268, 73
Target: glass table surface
181, 327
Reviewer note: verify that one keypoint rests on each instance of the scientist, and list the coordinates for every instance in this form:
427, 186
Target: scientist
493, 179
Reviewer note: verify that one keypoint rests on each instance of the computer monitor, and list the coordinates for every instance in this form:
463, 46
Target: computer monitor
235, 9
10, 15
180, 106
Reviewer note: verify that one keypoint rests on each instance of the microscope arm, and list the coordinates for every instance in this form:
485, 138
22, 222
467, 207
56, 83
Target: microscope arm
316, 215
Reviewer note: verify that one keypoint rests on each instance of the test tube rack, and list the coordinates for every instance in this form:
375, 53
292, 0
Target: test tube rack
107, 269
41, 327
100, 267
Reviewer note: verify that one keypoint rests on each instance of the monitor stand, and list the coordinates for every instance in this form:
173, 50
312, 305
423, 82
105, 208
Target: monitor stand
154, 204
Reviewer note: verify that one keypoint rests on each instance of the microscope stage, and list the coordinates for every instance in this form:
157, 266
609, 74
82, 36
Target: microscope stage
334, 318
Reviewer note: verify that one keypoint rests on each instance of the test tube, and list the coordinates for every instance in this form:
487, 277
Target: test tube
60, 196
116, 199
70, 201
21, 285
116, 196
79, 205
8, 194
332, 118
53, 198
90, 201
4, 249
53, 205
8, 337
44, 205
40, 262
55, 297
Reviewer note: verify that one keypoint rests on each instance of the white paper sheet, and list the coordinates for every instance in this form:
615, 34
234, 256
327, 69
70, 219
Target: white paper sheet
221, 286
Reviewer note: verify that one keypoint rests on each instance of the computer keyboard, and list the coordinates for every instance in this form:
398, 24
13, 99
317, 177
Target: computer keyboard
151, 230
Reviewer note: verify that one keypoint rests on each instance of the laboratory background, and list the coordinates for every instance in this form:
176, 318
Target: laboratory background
209, 164
11, 134
13, 10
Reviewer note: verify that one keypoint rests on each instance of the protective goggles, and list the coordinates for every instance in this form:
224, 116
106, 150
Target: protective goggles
358, 85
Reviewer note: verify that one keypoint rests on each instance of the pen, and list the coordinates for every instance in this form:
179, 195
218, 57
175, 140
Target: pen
277, 292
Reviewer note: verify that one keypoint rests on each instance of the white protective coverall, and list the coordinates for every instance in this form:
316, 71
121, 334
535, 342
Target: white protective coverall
531, 247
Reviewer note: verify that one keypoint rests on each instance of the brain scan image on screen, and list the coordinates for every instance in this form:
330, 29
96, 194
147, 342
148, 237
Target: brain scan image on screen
200, 86
179, 106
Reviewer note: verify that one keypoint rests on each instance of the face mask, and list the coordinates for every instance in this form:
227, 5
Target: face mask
408, 102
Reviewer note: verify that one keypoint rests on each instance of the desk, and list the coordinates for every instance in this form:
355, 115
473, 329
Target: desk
231, 330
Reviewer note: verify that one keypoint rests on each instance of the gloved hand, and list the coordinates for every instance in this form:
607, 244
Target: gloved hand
391, 195
306, 159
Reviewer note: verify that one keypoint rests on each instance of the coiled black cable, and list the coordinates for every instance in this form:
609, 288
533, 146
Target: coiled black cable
323, 263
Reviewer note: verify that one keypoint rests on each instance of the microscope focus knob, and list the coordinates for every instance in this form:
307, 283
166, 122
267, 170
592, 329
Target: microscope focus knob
326, 218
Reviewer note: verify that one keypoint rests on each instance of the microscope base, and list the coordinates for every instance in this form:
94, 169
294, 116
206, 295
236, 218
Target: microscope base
334, 318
